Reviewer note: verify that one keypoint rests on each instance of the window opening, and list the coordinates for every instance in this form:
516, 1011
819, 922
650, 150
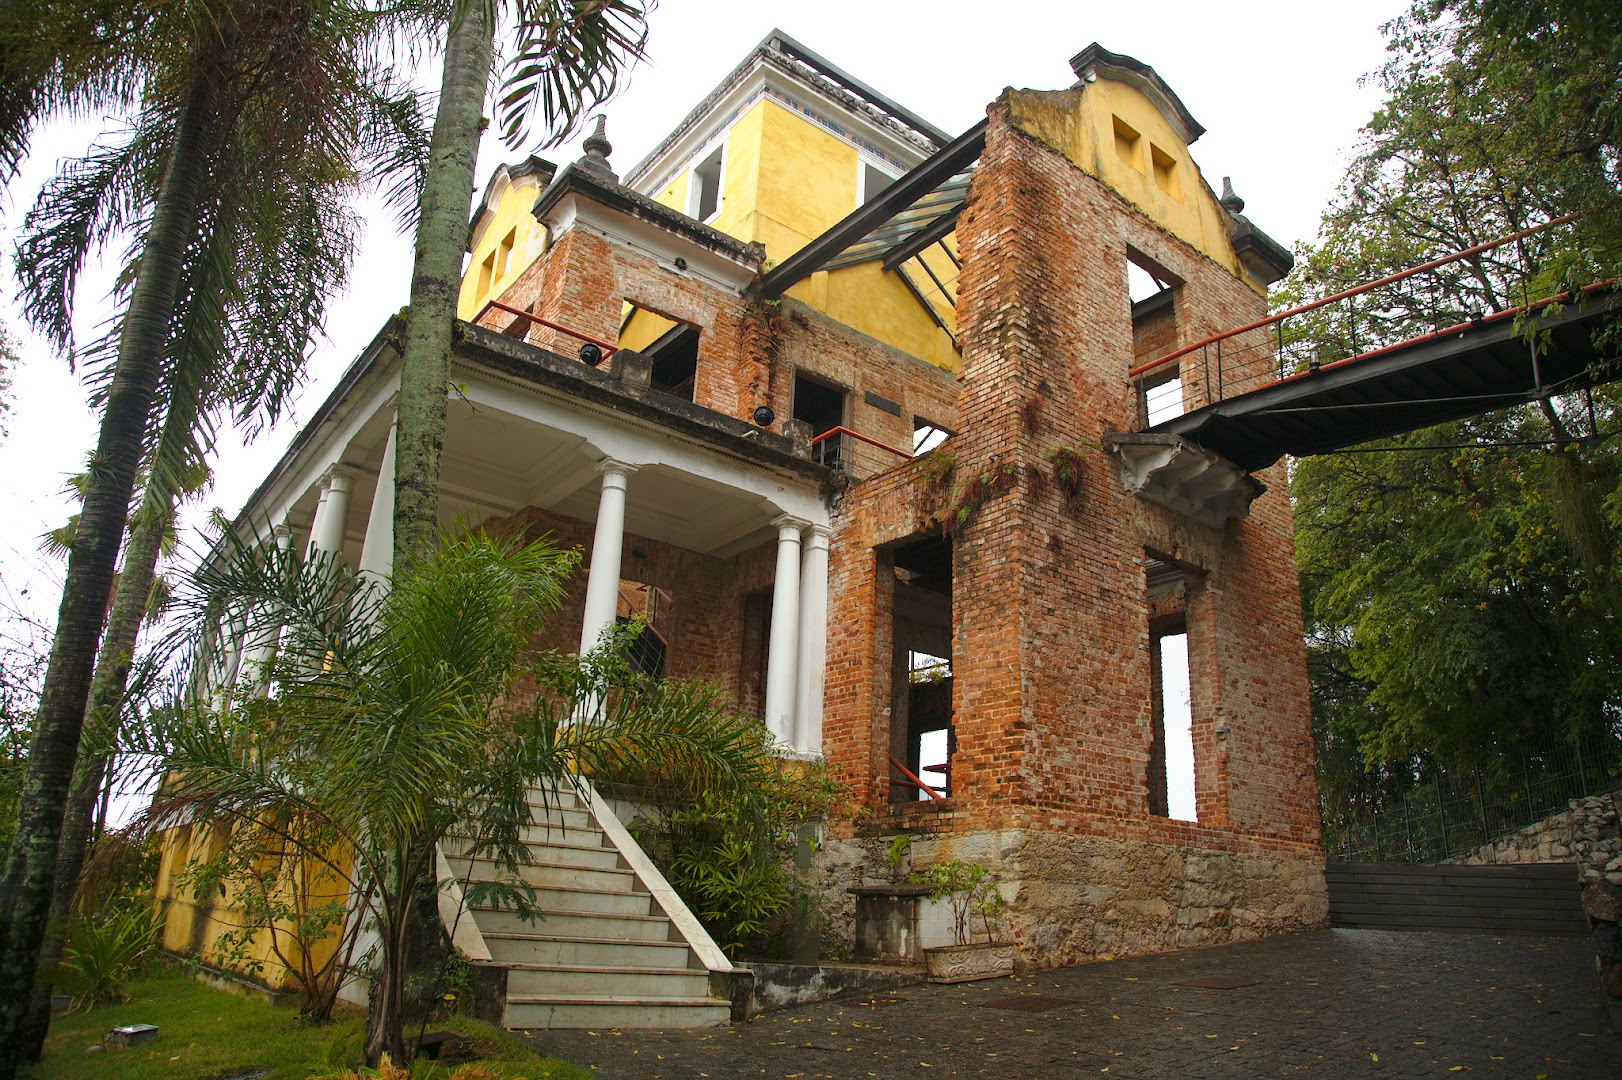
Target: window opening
652, 610
874, 180
704, 198
1170, 774
753, 654
1165, 171
487, 273
1152, 292
921, 732
926, 435
1163, 400
823, 406
1128, 143
504, 253
670, 346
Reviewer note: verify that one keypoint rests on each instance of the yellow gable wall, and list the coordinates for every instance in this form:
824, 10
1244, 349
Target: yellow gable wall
511, 223
785, 181
1112, 131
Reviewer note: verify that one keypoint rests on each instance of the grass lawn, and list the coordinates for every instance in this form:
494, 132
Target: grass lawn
209, 1034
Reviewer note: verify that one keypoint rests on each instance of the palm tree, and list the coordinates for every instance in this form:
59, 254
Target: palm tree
398, 717
245, 111
567, 57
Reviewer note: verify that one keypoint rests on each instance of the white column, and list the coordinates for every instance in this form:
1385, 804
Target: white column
265, 630
784, 651
603, 579
813, 641
377, 550
317, 519
332, 515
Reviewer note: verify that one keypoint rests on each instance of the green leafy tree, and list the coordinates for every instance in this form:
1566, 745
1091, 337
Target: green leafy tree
398, 716
1461, 583
248, 123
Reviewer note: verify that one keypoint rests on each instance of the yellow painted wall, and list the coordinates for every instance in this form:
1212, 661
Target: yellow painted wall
1112, 131
786, 181
511, 223
193, 925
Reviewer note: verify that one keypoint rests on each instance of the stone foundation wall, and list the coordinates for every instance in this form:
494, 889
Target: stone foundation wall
1588, 832
1074, 898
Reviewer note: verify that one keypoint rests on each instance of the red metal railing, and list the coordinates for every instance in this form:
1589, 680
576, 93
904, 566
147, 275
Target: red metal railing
604, 348
1218, 371
840, 432
914, 781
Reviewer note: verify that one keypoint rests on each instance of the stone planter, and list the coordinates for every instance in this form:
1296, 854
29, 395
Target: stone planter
966, 963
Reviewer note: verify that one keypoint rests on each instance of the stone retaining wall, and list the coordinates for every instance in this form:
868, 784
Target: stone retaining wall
1588, 832
1074, 898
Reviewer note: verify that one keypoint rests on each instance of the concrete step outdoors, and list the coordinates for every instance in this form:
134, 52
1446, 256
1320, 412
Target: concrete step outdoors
541, 947
574, 924
564, 797
604, 1012
561, 821
555, 980
546, 874
595, 901
577, 847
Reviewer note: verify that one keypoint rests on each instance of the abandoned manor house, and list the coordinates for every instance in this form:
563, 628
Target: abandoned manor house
851, 411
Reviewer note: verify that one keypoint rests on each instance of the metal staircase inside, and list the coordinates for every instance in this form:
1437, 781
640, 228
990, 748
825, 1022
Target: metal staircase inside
612, 945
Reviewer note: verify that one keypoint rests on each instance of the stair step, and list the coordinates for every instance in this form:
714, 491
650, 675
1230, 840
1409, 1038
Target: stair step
574, 924
597, 901
565, 797
568, 820
540, 1011
576, 847
644, 983
543, 948
545, 874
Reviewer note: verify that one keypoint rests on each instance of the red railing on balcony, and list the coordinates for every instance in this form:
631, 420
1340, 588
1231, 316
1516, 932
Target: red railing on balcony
603, 349
1244, 367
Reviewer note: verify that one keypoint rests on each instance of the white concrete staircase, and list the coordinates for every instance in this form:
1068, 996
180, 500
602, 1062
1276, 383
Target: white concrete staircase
612, 945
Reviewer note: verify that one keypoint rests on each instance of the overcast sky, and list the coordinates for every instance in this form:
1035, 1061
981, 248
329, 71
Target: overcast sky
1276, 85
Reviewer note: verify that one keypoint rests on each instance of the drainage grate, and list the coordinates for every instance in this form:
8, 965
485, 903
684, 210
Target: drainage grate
1026, 1003
1218, 982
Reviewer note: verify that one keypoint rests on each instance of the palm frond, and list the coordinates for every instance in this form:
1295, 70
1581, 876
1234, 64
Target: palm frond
567, 58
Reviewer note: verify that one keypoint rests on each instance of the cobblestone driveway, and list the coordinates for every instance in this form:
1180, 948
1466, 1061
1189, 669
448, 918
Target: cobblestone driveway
1331, 1003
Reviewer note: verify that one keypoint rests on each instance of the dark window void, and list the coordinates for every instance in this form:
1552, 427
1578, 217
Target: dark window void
753, 653
651, 611
822, 405
874, 180
1170, 776
921, 734
705, 199
670, 346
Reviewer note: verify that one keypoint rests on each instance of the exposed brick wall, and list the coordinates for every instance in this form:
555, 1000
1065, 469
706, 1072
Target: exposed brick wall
1052, 667
704, 638
1052, 680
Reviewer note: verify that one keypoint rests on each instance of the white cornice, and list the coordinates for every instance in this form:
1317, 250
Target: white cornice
768, 79
572, 211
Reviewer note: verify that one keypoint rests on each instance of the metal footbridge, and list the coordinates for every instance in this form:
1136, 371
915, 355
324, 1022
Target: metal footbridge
1303, 405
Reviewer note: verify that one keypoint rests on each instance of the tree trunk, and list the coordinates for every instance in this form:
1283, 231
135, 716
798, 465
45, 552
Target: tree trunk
106, 700
436, 279
385, 1031
26, 890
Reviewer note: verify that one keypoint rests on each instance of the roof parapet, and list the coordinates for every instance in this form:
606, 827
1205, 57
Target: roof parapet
1095, 62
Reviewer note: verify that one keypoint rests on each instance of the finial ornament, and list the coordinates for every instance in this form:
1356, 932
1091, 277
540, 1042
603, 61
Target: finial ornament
597, 149
1231, 202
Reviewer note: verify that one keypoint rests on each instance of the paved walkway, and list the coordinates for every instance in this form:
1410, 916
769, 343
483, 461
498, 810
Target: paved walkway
1331, 1003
